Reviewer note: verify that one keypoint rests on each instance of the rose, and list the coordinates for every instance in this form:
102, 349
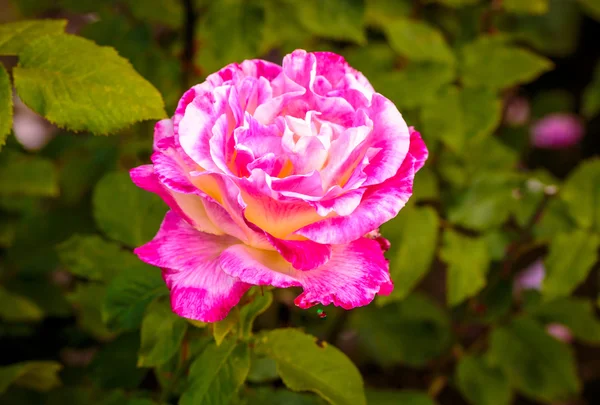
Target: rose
278, 175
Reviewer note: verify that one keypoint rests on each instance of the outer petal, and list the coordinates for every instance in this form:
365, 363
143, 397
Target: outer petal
189, 207
391, 136
380, 203
351, 278
163, 129
190, 262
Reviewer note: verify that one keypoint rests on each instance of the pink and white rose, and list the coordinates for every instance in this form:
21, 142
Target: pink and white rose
278, 175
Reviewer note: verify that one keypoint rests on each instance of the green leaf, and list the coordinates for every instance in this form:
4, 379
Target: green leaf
217, 374
15, 36
125, 212
481, 383
286, 37
426, 186
418, 41
36, 375
581, 192
415, 229
577, 314
260, 302
554, 33
333, 19
570, 259
591, 96
15, 308
555, 219
94, 258
592, 7
114, 366
49, 297
414, 86
167, 13
223, 327
487, 203
459, 115
538, 365
412, 331
526, 6
270, 396
27, 175
128, 295
379, 13
262, 369
493, 63
87, 300
468, 260
162, 334
77, 84
230, 32
405, 397
6, 106
305, 364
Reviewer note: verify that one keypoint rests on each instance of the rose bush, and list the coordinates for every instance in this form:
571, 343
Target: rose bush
278, 175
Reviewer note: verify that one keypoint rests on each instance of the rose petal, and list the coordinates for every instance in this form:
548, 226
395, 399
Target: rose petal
190, 261
351, 278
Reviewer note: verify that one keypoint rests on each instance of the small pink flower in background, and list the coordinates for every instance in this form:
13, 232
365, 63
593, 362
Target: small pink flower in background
517, 111
531, 279
560, 332
31, 130
275, 175
557, 131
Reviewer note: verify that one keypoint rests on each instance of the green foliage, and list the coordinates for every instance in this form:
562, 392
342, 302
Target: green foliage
222, 328
14, 37
526, 6
260, 302
468, 261
481, 383
418, 41
334, 19
305, 364
14, 308
415, 229
458, 115
76, 94
129, 293
406, 397
494, 63
94, 258
591, 97
124, 212
412, 331
538, 365
581, 193
570, 259
217, 374
162, 334
6, 106
577, 314
36, 375
592, 7
26, 175
230, 32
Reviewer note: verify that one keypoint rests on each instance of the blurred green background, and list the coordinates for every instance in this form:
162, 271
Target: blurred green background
495, 258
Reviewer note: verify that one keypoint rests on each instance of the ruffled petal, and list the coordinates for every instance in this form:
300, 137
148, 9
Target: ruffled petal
379, 204
351, 278
190, 261
390, 136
